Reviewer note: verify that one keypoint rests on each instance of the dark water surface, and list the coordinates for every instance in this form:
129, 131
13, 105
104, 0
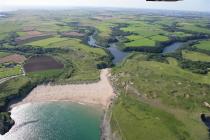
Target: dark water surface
173, 47
55, 121
117, 53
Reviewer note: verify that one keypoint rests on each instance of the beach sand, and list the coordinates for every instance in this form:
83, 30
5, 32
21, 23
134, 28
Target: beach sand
99, 93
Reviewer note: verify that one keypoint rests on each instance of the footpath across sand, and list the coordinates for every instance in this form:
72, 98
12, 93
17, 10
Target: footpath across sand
99, 93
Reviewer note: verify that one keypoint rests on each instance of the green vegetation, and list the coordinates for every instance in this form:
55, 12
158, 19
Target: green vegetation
144, 42
22, 33
138, 120
178, 101
46, 42
159, 38
205, 45
195, 56
9, 71
161, 96
10, 90
3, 54
192, 27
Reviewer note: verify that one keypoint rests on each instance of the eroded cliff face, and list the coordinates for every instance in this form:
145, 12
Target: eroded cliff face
6, 122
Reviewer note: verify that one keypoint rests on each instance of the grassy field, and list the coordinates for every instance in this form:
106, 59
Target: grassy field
6, 72
74, 43
159, 38
46, 42
204, 45
173, 106
195, 56
181, 34
144, 42
11, 87
158, 100
3, 54
143, 29
139, 41
137, 120
22, 33
193, 27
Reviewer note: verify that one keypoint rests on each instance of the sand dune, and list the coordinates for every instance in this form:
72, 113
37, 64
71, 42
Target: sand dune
99, 93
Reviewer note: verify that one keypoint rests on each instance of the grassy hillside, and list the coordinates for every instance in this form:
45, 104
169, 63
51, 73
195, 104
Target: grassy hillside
159, 100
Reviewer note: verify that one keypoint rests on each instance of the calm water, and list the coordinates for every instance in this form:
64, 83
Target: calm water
173, 47
118, 54
55, 121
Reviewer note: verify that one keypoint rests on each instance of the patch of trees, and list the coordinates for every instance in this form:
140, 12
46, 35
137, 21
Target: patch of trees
156, 57
112, 40
116, 31
144, 49
91, 31
10, 39
34, 50
171, 28
195, 66
105, 61
197, 49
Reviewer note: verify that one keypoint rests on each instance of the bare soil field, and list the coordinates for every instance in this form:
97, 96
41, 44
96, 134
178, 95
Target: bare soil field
73, 33
34, 33
40, 63
16, 58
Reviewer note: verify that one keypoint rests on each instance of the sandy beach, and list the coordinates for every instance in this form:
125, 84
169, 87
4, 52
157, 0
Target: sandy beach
99, 93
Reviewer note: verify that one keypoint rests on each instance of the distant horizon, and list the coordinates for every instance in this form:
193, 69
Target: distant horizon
184, 5
94, 7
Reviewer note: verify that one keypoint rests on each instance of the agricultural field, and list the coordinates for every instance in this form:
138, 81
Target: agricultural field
195, 56
193, 27
41, 63
3, 54
7, 71
46, 42
54, 48
204, 45
14, 58
144, 42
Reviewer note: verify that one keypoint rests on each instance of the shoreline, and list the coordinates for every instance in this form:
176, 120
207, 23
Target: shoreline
99, 93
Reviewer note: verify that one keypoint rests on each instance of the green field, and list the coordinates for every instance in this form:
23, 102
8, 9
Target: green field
139, 41
6, 72
143, 29
204, 45
22, 33
195, 56
158, 99
138, 120
3, 54
144, 42
46, 42
159, 38
193, 27
178, 101
74, 43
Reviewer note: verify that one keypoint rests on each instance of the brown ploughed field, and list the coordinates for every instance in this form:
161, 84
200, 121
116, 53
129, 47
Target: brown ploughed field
40, 63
